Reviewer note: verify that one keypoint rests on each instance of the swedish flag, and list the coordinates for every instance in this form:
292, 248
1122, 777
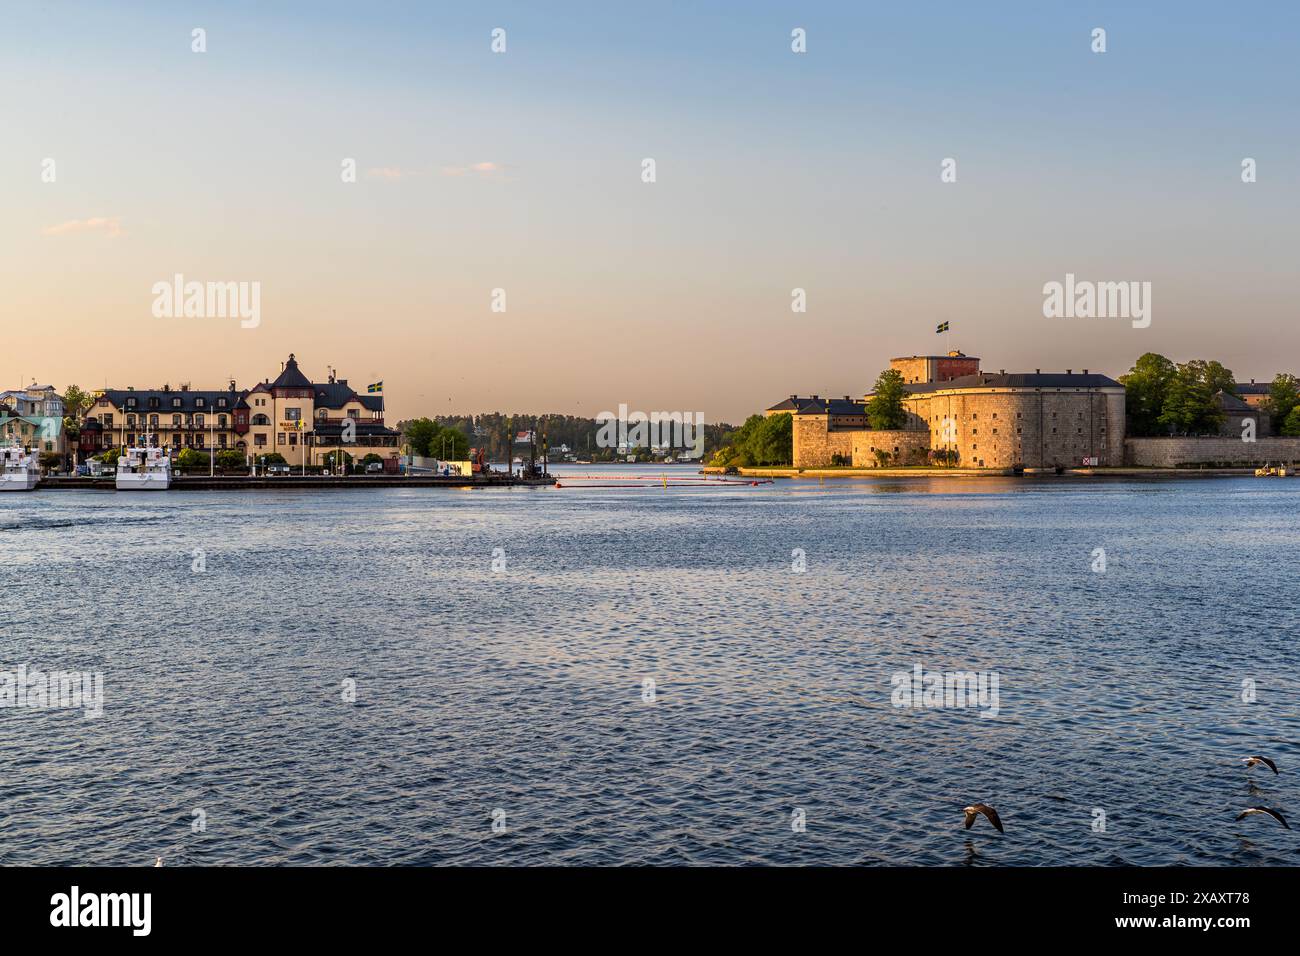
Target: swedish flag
375, 387
942, 327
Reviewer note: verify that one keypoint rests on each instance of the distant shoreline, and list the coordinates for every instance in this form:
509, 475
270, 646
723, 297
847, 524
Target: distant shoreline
924, 472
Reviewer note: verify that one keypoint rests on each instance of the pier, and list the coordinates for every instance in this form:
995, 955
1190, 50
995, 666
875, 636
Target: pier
313, 482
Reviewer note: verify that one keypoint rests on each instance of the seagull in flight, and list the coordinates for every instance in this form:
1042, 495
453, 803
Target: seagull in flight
985, 809
1272, 813
1254, 761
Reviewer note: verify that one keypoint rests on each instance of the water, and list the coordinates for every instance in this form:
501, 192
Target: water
522, 691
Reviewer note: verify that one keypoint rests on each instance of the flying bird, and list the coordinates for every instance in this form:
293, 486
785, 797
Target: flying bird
1272, 813
1252, 761
987, 811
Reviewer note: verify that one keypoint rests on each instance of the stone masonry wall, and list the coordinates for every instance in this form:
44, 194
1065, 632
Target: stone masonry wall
1172, 452
903, 447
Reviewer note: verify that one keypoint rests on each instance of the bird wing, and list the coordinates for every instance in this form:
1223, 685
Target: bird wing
970, 819
991, 814
1271, 765
1276, 816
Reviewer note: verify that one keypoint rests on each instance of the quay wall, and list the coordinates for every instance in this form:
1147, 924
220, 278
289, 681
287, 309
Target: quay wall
1175, 452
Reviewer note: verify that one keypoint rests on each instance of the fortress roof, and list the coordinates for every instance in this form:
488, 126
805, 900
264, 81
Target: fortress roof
816, 405
1020, 380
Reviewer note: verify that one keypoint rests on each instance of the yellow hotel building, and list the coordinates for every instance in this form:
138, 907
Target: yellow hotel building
302, 420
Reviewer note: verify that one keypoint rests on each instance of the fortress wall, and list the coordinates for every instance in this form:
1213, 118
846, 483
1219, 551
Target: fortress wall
1172, 452
904, 447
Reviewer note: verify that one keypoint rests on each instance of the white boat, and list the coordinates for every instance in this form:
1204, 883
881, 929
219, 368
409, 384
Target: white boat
18, 470
144, 469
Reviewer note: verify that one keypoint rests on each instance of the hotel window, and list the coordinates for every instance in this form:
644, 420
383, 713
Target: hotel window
130, 439
176, 403
153, 421
176, 421
221, 421
108, 421
108, 441
221, 403
176, 439
198, 421
198, 440
279, 438
292, 414
221, 440
259, 439
153, 403
130, 403
198, 403
130, 421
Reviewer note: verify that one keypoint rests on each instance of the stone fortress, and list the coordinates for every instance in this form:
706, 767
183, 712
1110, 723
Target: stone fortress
960, 415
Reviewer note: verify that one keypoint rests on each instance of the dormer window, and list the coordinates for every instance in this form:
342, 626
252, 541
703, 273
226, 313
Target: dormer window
198, 403
176, 403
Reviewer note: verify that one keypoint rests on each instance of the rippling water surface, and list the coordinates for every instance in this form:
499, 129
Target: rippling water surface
522, 690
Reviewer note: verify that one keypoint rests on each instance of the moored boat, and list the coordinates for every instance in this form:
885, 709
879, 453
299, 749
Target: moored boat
144, 469
18, 469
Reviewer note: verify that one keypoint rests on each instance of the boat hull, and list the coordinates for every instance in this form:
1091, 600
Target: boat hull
143, 482
24, 482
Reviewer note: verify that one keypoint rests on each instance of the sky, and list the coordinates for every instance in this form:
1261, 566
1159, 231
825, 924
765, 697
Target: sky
523, 171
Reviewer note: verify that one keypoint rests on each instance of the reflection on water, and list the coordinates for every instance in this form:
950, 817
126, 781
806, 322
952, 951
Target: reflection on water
522, 690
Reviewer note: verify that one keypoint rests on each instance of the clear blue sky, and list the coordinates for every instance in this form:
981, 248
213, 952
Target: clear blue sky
521, 171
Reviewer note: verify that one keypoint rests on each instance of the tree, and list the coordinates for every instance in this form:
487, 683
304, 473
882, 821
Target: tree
760, 441
885, 410
1283, 397
76, 403
230, 459
191, 458
1291, 427
274, 458
51, 460
419, 432
1144, 387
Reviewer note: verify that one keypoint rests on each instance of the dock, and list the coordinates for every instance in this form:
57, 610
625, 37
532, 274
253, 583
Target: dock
303, 482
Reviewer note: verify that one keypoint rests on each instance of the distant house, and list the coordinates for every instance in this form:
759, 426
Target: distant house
1237, 412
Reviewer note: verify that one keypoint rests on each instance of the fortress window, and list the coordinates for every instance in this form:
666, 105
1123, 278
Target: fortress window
995, 414
1017, 431
1053, 431
1053, 414
1018, 415
995, 431
1080, 431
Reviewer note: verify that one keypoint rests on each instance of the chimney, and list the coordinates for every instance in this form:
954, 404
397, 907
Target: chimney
1085, 371
1002, 371
1038, 371
1069, 371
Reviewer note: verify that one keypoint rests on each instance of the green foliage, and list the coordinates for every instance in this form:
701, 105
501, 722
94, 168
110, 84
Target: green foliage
1283, 398
945, 456
50, 460
371, 459
760, 441
76, 403
191, 458
429, 439
882, 457
885, 410
1167, 399
230, 459
110, 457
274, 458
1291, 425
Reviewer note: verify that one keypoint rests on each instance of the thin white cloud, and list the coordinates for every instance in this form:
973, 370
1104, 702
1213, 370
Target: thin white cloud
481, 169
111, 227
389, 173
